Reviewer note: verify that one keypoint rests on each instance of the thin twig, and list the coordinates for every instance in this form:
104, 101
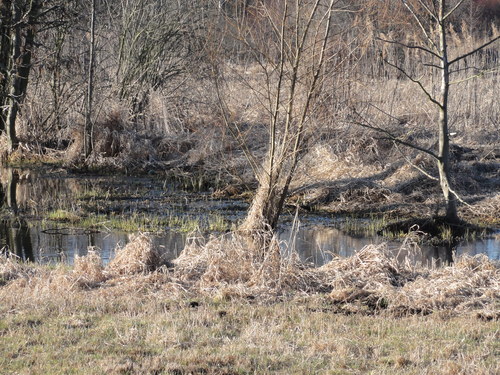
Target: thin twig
421, 170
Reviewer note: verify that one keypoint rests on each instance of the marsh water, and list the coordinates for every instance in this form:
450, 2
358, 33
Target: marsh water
43, 218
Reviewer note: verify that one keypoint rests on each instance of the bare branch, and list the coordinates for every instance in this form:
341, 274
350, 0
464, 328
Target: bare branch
459, 198
421, 25
410, 46
429, 96
274, 118
474, 50
430, 12
421, 170
392, 137
432, 66
238, 134
453, 10
480, 74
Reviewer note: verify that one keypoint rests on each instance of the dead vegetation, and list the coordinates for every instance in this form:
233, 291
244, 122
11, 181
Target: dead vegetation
138, 256
225, 307
228, 267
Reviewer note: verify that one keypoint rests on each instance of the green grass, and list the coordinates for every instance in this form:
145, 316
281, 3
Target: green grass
366, 226
143, 222
64, 216
89, 194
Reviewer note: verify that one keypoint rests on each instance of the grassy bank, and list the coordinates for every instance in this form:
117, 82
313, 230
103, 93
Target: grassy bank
227, 309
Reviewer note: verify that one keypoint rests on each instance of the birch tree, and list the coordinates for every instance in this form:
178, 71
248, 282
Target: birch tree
432, 18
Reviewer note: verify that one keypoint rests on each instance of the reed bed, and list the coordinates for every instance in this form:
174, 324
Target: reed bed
231, 266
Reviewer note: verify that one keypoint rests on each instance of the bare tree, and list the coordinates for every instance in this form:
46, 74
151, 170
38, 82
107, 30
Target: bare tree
155, 44
288, 41
18, 29
433, 20
88, 139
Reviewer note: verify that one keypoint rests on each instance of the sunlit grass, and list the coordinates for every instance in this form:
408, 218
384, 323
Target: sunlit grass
145, 222
63, 216
365, 226
295, 337
88, 194
217, 312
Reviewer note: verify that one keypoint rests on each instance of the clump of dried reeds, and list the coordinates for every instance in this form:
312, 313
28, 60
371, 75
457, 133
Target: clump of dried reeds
10, 266
370, 268
138, 256
223, 260
88, 269
472, 283
240, 264
231, 265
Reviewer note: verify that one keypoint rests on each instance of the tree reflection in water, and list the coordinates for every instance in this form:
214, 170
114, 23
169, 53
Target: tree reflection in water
14, 230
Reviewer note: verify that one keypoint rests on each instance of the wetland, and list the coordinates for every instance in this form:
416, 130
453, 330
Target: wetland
49, 216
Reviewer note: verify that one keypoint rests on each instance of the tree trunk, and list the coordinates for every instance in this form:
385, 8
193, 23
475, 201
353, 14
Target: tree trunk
18, 48
444, 139
89, 126
265, 209
5, 22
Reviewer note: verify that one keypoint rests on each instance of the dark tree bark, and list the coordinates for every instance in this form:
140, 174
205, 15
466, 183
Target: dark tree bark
89, 125
18, 27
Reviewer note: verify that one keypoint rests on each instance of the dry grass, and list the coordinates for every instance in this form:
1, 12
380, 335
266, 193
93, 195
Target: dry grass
227, 308
230, 266
88, 269
138, 256
373, 277
10, 267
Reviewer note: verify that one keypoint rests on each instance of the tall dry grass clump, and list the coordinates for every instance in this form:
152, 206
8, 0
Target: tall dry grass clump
472, 283
138, 256
375, 277
88, 269
10, 267
233, 264
371, 268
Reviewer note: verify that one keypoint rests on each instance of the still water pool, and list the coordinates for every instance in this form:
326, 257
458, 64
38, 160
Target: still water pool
26, 197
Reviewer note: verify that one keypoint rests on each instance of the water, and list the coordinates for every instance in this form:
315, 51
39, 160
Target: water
26, 195
319, 244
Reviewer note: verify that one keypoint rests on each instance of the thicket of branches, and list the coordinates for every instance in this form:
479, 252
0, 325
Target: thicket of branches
175, 84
